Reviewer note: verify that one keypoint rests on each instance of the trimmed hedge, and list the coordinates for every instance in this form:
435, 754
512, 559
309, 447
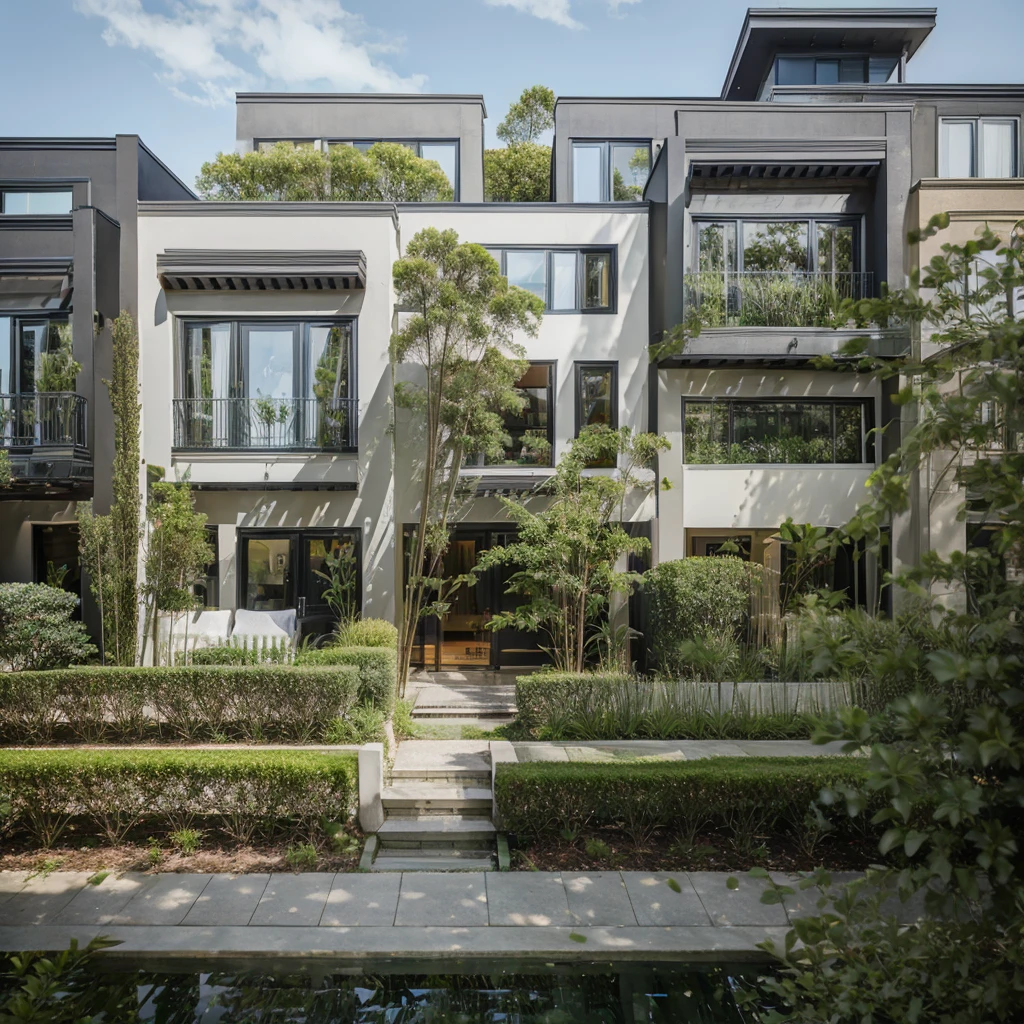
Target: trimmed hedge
378, 670
540, 799
545, 695
367, 633
241, 796
97, 704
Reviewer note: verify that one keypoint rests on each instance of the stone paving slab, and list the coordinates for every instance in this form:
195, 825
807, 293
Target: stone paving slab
599, 898
457, 898
669, 944
740, 906
228, 900
655, 902
97, 904
527, 898
11, 882
43, 897
293, 899
449, 755
672, 750
363, 900
165, 901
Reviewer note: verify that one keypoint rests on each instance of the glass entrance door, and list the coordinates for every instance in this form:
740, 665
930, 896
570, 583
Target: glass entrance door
269, 575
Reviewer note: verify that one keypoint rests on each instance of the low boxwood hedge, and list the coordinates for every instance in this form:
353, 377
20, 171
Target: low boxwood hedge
252, 703
542, 696
240, 796
540, 800
378, 670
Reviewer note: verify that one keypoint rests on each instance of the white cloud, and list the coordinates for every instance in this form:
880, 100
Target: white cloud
205, 50
548, 10
615, 5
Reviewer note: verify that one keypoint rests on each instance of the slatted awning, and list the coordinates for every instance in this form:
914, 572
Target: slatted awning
261, 270
787, 170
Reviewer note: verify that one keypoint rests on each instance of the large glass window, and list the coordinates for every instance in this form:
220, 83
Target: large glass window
568, 280
596, 398
838, 70
978, 147
609, 171
530, 430
776, 432
265, 384
38, 203
779, 246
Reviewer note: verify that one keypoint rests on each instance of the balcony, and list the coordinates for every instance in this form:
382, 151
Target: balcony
771, 298
266, 424
45, 436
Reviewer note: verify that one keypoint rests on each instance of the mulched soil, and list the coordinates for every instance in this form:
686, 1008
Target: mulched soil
218, 860
708, 853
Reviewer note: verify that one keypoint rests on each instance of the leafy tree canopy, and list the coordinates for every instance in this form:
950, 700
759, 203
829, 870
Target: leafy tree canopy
518, 174
386, 172
529, 116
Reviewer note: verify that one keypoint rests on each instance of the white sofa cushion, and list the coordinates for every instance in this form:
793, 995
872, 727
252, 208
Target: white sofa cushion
279, 624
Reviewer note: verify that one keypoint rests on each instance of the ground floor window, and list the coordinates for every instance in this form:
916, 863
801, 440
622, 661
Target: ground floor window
280, 570
55, 554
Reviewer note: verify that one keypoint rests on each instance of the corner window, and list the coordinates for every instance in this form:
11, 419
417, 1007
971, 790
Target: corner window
568, 280
605, 172
36, 202
978, 147
530, 430
736, 432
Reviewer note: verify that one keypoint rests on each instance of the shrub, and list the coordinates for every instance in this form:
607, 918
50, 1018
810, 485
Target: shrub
377, 670
540, 799
271, 651
366, 633
36, 629
695, 598
184, 703
543, 695
241, 796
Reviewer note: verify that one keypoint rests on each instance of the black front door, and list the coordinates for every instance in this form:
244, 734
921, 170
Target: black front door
280, 569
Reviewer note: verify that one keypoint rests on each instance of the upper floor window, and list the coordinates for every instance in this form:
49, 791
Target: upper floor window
833, 70
530, 430
37, 202
759, 431
605, 172
266, 384
444, 152
788, 246
978, 147
568, 280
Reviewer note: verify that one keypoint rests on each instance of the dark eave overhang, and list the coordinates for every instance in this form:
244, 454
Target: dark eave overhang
291, 485
496, 483
783, 170
246, 270
768, 31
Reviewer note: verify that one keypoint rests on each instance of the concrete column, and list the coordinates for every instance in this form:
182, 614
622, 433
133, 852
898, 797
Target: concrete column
371, 786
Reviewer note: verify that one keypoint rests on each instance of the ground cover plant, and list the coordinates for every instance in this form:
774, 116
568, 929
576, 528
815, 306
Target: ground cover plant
115, 796
181, 704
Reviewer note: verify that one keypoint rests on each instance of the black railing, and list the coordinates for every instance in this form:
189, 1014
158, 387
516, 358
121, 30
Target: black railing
771, 298
266, 423
45, 419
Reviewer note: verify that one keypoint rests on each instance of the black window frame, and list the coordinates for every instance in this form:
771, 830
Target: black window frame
607, 177
34, 190
239, 361
19, 319
612, 251
818, 56
869, 452
977, 121
578, 367
812, 222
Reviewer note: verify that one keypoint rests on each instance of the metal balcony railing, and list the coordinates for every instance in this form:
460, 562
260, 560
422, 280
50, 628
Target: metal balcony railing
272, 424
771, 298
44, 419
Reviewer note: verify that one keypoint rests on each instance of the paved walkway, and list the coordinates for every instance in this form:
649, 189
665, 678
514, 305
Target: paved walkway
579, 915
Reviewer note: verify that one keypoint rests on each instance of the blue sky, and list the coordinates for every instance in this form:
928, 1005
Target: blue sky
167, 69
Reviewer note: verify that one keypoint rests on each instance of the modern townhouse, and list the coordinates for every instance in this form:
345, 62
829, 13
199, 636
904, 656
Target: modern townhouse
68, 265
746, 217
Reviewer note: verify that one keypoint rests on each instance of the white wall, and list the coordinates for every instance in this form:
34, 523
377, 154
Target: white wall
753, 497
370, 470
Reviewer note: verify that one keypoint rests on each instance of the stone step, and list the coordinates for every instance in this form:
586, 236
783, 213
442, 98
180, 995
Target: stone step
488, 711
457, 860
428, 797
436, 829
465, 777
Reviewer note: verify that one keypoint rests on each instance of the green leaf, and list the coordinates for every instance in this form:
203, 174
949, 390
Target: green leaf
732, 882
673, 885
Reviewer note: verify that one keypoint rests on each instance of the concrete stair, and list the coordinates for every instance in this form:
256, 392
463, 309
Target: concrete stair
437, 813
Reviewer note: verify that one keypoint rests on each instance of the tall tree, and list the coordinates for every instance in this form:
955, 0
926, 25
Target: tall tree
386, 172
521, 172
458, 342
945, 769
564, 560
110, 544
